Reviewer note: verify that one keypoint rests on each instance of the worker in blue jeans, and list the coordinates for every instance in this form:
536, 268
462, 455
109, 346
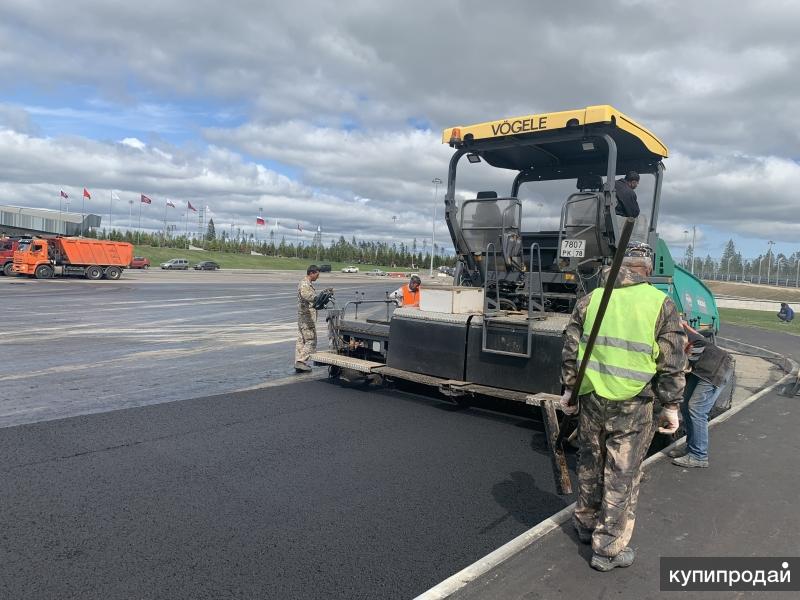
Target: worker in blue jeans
711, 369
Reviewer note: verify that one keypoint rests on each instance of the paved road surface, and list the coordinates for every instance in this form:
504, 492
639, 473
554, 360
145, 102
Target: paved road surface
304, 491
72, 346
307, 490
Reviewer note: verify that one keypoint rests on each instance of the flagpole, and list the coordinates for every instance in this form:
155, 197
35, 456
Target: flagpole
187, 225
165, 223
83, 211
60, 202
110, 202
260, 216
139, 231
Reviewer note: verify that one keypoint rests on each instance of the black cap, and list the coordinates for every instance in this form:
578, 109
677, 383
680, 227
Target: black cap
312, 269
631, 176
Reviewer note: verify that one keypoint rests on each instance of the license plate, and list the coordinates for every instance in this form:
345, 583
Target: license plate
573, 248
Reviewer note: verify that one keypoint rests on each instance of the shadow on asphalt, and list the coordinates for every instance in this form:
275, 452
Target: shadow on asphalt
523, 500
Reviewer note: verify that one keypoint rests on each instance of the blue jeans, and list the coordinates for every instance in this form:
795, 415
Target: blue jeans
698, 400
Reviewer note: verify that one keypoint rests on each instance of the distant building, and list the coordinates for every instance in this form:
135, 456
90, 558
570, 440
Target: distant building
17, 220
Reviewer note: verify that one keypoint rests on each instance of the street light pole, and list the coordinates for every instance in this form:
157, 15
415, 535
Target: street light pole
694, 250
797, 277
769, 259
729, 267
435, 181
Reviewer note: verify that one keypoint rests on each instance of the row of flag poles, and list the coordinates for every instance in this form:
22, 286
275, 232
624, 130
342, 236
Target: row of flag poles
260, 221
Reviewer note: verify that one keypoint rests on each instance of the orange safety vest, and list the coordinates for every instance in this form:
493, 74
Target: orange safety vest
410, 298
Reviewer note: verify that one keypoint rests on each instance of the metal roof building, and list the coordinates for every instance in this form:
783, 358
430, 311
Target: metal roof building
18, 220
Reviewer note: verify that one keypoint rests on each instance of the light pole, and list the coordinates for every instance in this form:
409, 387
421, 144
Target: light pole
760, 262
694, 250
769, 259
435, 181
797, 277
778, 273
729, 266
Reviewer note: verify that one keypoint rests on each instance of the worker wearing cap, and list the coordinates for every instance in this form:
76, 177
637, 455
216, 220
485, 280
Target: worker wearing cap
627, 204
306, 321
638, 357
408, 294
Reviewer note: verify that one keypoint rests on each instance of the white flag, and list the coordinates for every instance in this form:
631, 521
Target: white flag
114, 195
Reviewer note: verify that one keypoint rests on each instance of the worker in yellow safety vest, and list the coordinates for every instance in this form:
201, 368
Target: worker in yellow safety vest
638, 357
408, 294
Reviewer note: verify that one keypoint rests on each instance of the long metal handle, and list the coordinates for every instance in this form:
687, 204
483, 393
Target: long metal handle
622, 244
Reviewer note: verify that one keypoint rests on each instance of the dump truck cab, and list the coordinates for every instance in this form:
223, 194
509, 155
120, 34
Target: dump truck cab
33, 254
585, 151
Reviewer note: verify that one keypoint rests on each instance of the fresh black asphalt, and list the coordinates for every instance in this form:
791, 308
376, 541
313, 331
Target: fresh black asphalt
308, 490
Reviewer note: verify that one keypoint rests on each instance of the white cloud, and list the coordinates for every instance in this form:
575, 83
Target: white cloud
133, 142
322, 95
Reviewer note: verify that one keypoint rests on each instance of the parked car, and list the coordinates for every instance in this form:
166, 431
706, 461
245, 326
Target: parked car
350, 269
326, 268
376, 272
140, 262
206, 265
176, 263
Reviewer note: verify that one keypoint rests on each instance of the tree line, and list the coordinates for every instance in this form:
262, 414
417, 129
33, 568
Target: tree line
732, 265
398, 254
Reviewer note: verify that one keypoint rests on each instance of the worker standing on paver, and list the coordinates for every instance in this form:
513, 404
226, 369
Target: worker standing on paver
409, 293
306, 321
627, 204
638, 355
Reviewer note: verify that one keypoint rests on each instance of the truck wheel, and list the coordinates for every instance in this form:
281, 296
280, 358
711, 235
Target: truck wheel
94, 273
8, 269
113, 273
43, 272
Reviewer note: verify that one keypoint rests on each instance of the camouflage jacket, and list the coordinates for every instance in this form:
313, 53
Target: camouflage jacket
305, 301
668, 383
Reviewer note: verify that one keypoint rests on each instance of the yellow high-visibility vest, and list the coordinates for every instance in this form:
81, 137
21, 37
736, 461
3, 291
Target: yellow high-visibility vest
624, 356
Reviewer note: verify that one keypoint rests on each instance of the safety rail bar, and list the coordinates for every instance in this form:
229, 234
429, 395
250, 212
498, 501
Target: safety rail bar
530, 282
489, 316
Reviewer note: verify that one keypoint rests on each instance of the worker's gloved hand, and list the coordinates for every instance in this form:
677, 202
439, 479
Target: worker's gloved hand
668, 421
564, 403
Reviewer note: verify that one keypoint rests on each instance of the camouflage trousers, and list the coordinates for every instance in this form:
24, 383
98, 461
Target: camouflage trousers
613, 437
306, 340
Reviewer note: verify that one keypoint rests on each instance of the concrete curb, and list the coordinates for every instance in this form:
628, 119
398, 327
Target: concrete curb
455, 582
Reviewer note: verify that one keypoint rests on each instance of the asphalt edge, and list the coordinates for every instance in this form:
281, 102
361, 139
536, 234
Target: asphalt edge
483, 565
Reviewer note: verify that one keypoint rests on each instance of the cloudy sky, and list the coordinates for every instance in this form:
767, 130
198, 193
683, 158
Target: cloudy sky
330, 113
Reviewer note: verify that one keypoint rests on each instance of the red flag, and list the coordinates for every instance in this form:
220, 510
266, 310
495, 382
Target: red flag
170, 204
260, 221
64, 194
191, 207
146, 200
86, 194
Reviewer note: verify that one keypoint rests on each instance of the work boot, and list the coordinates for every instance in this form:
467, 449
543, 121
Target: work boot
301, 367
689, 462
584, 533
677, 452
606, 563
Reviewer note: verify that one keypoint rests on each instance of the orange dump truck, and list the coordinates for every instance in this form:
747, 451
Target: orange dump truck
85, 257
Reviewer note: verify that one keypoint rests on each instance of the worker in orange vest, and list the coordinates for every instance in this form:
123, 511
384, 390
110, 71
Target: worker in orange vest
408, 294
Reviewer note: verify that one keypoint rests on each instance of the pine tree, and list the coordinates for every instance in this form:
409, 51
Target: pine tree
211, 233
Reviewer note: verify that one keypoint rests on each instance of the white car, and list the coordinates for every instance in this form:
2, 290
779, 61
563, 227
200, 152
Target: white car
376, 272
350, 269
